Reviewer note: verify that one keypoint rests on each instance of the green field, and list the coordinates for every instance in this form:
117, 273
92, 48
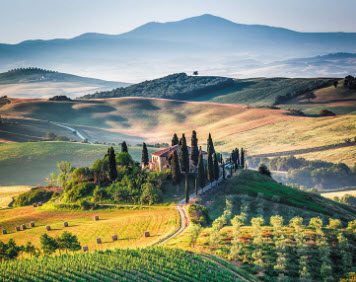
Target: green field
154, 264
29, 163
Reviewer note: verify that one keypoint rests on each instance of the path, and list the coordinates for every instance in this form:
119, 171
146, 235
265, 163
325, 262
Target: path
73, 130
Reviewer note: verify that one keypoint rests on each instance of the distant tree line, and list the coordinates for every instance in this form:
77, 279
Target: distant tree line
177, 86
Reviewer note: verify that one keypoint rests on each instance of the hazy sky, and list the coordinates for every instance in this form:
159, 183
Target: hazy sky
29, 19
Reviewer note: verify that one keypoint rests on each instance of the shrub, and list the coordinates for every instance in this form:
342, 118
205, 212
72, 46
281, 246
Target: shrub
325, 113
199, 214
33, 196
263, 169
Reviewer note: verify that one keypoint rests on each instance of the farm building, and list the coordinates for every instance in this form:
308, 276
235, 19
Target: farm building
160, 160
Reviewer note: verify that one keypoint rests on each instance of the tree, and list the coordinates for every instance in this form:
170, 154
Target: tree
65, 168
124, 147
184, 155
175, 168
263, 169
223, 170
195, 73
186, 188
310, 95
68, 242
210, 145
210, 168
335, 83
216, 168
9, 250
194, 154
201, 178
112, 164
48, 244
175, 139
144, 157
242, 158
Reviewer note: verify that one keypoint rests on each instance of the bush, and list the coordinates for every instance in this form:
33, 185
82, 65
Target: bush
263, 169
326, 113
199, 214
35, 195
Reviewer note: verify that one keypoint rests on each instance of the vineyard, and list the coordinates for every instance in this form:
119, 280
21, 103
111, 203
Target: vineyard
150, 264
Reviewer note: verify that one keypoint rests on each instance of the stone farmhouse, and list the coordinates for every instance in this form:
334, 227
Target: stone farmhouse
161, 159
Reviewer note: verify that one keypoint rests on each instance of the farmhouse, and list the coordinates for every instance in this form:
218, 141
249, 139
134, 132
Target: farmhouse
161, 159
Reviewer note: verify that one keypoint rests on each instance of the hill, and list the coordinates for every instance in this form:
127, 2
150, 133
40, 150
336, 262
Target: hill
36, 82
259, 130
154, 264
254, 91
36, 160
194, 43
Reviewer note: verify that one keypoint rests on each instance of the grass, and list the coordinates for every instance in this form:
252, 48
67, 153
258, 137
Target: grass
340, 194
8, 192
128, 223
153, 264
29, 163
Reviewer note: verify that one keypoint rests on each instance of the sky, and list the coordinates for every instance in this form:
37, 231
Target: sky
44, 19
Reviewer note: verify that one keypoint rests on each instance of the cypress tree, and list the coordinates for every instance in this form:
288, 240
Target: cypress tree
237, 157
184, 154
210, 145
194, 154
242, 159
144, 157
216, 167
175, 169
124, 147
112, 164
186, 188
175, 139
223, 170
210, 168
201, 178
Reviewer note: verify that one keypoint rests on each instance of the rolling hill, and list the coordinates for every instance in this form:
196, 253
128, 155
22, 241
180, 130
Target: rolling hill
36, 82
208, 43
254, 91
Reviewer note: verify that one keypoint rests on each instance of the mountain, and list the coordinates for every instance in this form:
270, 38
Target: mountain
36, 82
208, 43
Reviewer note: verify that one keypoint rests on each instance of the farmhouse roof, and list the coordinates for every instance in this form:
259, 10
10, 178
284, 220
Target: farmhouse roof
166, 151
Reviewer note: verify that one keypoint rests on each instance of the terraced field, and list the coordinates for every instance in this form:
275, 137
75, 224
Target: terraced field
153, 264
128, 223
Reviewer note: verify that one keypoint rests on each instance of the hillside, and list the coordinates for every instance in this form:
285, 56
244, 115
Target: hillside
36, 82
36, 160
207, 43
155, 120
255, 91
285, 200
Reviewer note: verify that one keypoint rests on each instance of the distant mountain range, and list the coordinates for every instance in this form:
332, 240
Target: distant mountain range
207, 43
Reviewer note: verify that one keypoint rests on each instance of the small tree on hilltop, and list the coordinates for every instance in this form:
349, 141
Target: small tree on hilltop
175, 169
184, 154
144, 157
175, 139
201, 178
194, 154
124, 147
112, 164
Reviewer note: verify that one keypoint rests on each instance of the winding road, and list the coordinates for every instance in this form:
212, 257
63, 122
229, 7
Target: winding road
73, 130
